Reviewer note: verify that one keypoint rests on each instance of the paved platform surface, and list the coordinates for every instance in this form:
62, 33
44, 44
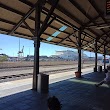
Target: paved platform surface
12, 87
74, 94
81, 94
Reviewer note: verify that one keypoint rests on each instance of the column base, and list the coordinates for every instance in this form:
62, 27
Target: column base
78, 74
95, 69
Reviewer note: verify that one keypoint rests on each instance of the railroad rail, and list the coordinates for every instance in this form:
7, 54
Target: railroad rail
29, 75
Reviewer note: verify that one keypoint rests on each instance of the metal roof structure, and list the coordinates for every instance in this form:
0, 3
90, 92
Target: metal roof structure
17, 18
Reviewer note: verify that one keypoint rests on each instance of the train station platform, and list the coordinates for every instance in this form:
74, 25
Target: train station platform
74, 94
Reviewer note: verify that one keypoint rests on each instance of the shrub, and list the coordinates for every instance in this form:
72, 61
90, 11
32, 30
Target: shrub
3, 58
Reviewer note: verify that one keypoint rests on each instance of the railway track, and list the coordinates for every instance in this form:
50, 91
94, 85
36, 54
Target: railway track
29, 67
29, 75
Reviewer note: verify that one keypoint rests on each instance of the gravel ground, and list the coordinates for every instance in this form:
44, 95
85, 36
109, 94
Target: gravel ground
20, 70
28, 72
41, 63
42, 69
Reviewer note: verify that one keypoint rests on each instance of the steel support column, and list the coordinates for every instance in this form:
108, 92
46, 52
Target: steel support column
104, 58
36, 46
95, 69
38, 32
79, 52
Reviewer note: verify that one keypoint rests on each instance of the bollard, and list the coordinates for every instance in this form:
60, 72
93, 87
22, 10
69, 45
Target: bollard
43, 83
100, 69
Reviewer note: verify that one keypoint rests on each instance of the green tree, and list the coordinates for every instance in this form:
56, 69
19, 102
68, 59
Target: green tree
3, 58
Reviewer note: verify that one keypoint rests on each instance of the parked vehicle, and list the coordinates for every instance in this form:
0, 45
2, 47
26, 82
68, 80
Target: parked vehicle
106, 60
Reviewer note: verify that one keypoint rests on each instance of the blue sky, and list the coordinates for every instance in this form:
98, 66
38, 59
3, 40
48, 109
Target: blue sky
10, 46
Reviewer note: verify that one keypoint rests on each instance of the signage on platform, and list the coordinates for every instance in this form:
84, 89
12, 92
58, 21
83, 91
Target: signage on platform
107, 7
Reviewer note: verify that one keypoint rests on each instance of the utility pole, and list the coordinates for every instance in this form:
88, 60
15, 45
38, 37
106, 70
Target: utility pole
0, 48
29, 51
82, 58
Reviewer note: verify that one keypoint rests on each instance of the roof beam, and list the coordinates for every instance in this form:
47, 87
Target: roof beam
45, 27
101, 45
89, 46
76, 37
45, 23
30, 37
80, 9
95, 7
70, 40
86, 24
61, 9
83, 39
87, 16
107, 42
73, 34
13, 23
64, 11
29, 3
54, 43
61, 19
5, 30
58, 38
64, 39
74, 18
45, 9
31, 30
24, 18
99, 24
100, 36
84, 12
71, 16
10, 9
73, 41
100, 14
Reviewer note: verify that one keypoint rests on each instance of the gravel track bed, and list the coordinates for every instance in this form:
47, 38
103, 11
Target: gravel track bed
30, 67
29, 75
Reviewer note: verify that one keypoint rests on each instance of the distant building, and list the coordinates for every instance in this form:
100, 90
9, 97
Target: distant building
59, 56
68, 55
41, 58
13, 59
30, 58
99, 58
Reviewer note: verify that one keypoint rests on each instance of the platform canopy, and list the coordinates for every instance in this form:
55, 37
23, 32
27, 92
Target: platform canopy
17, 18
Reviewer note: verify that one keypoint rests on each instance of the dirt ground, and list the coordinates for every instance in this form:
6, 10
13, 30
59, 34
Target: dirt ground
42, 63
